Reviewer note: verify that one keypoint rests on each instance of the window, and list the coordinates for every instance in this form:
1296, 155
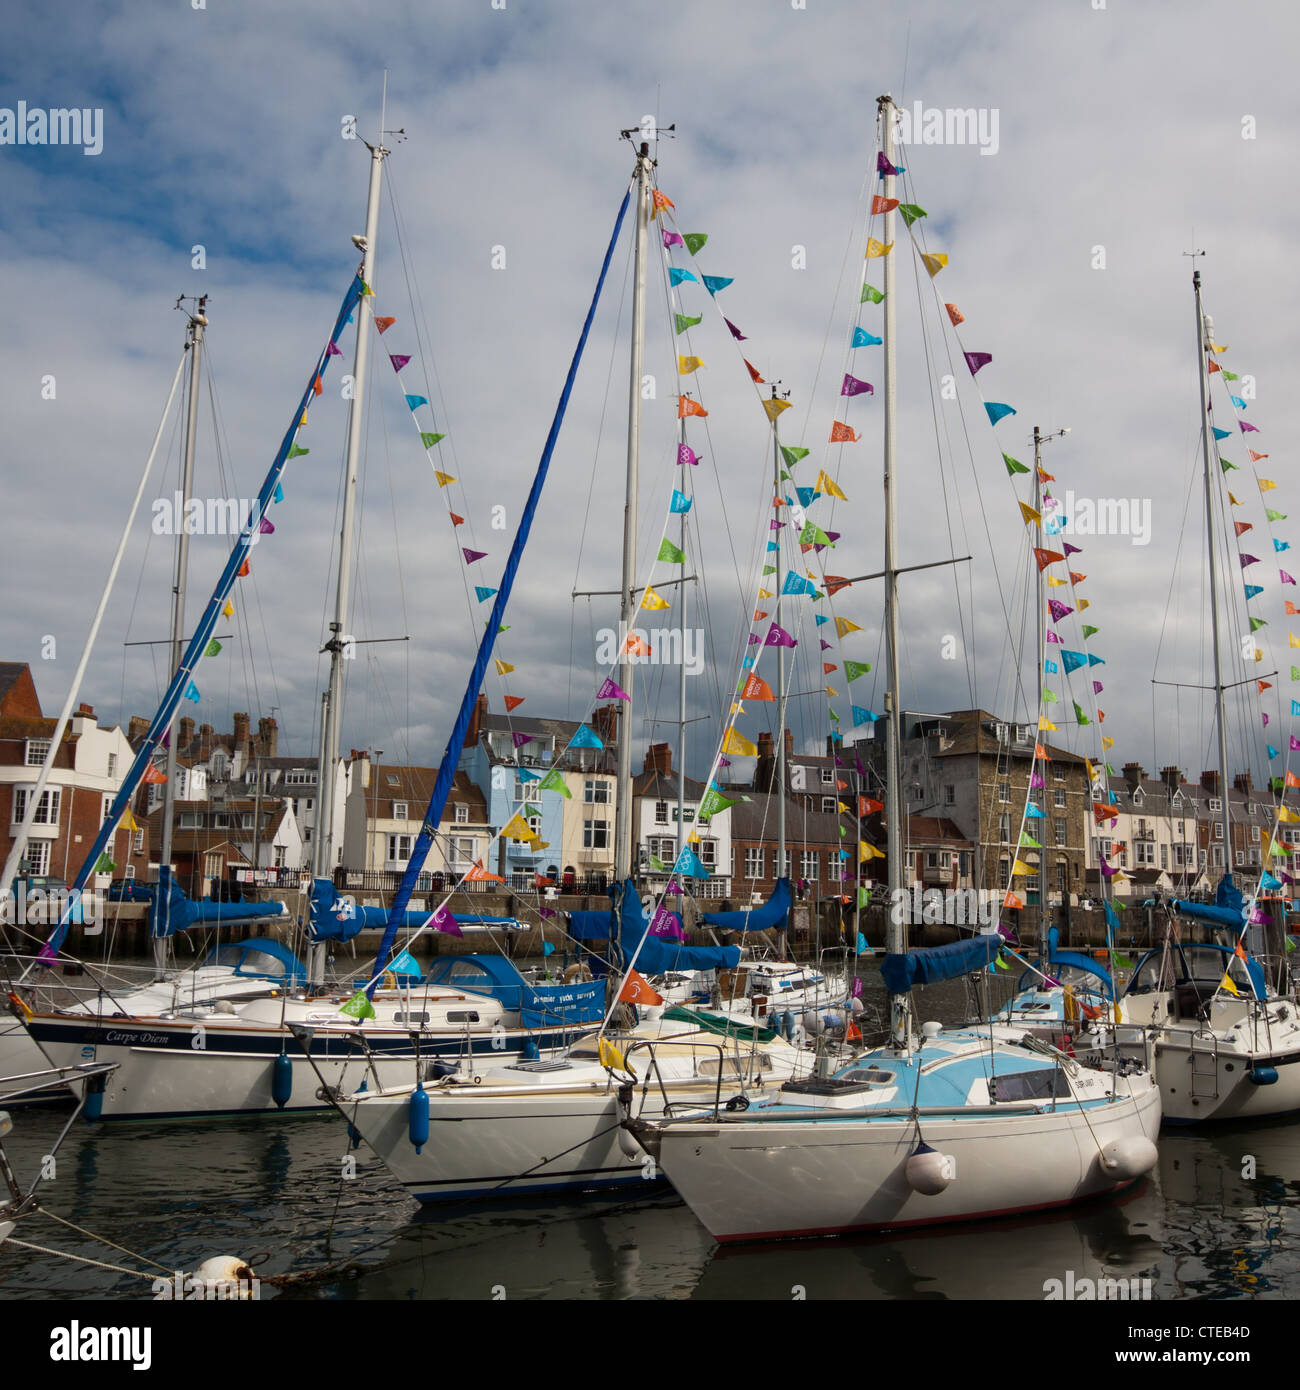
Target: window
1218, 830
220, 820
37, 855
47, 812
105, 806
1060, 875
661, 813
137, 842
401, 811
950, 796
526, 790
462, 852
829, 806
1058, 829
595, 834
1058, 772
393, 780
246, 821
37, 748
754, 862
1145, 853
535, 825
1241, 857
1218, 856
1164, 856
1216, 805
112, 764
708, 852
190, 820
299, 777
810, 864
1004, 872
399, 849
828, 777
1004, 791
461, 813
1254, 858
784, 870
1254, 834
595, 791
213, 864
279, 856
1004, 826
1058, 798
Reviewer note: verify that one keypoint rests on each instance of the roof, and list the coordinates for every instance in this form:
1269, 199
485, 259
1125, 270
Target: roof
973, 731
755, 819
651, 782
924, 829
414, 785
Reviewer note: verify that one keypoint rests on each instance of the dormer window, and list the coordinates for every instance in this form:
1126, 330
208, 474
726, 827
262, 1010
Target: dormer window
1138, 797
1216, 806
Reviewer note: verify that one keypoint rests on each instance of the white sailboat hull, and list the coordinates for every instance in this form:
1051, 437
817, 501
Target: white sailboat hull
755, 1180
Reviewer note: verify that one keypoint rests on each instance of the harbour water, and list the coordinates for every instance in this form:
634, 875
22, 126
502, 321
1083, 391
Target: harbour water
1218, 1219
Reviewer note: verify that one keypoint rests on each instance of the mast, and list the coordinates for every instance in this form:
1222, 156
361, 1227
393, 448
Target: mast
895, 807
1044, 915
780, 668
323, 855
681, 685
194, 346
1202, 337
624, 866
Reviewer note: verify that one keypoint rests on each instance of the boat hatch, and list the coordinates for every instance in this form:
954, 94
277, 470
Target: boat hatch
539, 1066
1048, 1083
831, 1086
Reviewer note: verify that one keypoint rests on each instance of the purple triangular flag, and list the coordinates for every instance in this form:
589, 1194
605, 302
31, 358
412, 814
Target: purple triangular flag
735, 332
852, 386
472, 555
685, 454
1058, 609
1071, 549
1249, 560
333, 350
779, 637
976, 360
46, 952
610, 691
672, 238
1096, 687
442, 920
883, 166
264, 527
399, 360
1248, 428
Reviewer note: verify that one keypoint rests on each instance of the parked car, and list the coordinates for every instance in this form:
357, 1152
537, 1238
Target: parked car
128, 890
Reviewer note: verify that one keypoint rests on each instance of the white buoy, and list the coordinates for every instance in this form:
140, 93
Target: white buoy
628, 1145
928, 1171
1129, 1157
227, 1276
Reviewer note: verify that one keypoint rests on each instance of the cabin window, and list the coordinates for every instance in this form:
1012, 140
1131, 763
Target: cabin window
1030, 1085
462, 1016
412, 1017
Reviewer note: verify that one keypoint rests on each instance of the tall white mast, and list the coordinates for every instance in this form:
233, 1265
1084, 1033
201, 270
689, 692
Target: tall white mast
895, 806
780, 782
323, 854
1202, 339
624, 865
194, 345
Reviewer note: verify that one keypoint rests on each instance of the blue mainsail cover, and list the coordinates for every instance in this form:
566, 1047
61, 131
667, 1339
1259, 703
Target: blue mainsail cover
774, 913
929, 964
172, 910
546, 1005
591, 926
656, 956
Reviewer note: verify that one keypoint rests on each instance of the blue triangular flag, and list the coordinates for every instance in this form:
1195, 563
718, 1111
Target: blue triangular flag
404, 964
585, 738
714, 283
861, 338
414, 402
482, 592
681, 503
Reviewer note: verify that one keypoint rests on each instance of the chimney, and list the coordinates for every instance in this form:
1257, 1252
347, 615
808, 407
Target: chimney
605, 720
789, 745
1172, 777
186, 732
1134, 773
1241, 782
659, 758
268, 736
1210, 781
205, 742
766, 746
88, 710
136, 728
241, 736
476, 721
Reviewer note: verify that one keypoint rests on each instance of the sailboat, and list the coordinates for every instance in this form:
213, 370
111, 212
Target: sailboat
1226, 1038
938, 1125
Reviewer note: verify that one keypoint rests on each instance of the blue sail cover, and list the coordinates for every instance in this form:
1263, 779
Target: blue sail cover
540, 1006
171, 910
774, 913
654, 955
1227, 910
928, 965
591, 926
332, 919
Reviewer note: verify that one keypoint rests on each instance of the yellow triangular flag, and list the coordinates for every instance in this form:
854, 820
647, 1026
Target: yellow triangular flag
1019, 869
736, 742
443, 478
843, 626
828, 486
1029, 513
1045, 723
610, 1056
1054, 583
1227, 984
229, 610
868, 851
503, 667
688, 364
1107, 744
1266, 485
877, 248
1218, 347
517, 828
766, 593
128, 821
1233, 500
830, 690
934, 263
774, 408
654, 600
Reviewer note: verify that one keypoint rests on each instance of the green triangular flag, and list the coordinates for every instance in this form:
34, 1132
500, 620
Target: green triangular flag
658, 864
792, 453
1295, 673
814, 535
769, 569
684, 321
1089, 630
1014, 466
1079, 715
713, 801
1290, 945
1027, 841
912, 212
1229, 376
872, 293
864, 897
554, 782
854, 669
1226, 466
694, 240
104, 865
1257, 623
1002, 964
835, 716
1274, 516
295, 451
1110, 771
501, 627
1123, 961
212, 648
1049, 697
669, 552
358, 1006
785, 474
429, 440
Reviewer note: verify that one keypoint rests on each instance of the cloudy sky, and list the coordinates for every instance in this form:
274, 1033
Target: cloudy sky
1126, 135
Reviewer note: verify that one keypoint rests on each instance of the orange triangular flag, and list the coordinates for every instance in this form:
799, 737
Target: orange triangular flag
457, 520
1264, 685
636, 990
687, 407
1011, 900
1254, 457
879, 204
1046, 557
753, 371
384, 324
513, 702
842, 434
1041, 752
244, 570
955, 314
1214, 366
316, 387
828, 667
836, 582
1292, 780
478, 874
1243, 526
